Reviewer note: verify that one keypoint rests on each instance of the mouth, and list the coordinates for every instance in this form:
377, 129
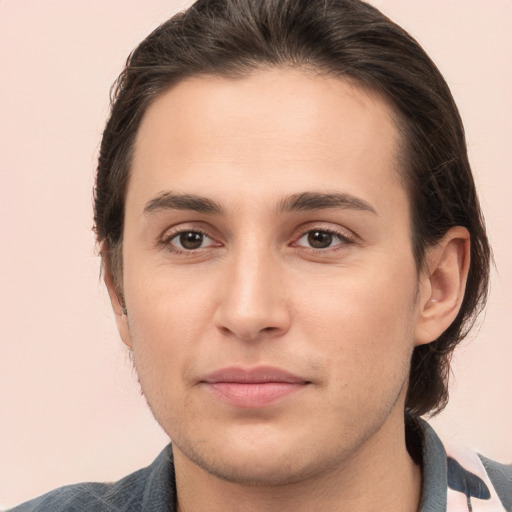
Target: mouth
254, 387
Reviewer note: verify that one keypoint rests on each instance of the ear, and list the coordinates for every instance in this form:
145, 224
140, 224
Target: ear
116, 299
442, 284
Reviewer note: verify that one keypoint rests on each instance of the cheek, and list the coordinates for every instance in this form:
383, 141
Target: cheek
359, 297
170, 319
168, 316
362, 317
162, 302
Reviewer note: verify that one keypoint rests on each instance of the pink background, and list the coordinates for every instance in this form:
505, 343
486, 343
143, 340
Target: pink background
69, 404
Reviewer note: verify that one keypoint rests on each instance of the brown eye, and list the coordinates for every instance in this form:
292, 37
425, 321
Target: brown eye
190, 240
320, 239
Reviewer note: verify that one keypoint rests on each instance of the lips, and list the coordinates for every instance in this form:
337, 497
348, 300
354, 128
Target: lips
254, 387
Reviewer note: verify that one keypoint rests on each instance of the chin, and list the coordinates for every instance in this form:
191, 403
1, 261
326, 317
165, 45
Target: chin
256, 470
263, 460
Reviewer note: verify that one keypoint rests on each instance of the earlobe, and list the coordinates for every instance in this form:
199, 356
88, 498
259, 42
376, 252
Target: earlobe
117, 301
443, 284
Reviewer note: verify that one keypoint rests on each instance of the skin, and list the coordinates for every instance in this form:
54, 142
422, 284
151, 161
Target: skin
344, 316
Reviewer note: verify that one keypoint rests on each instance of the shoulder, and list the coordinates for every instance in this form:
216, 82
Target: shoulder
150, 488
479, 478
462, 479
80, 497
500, 476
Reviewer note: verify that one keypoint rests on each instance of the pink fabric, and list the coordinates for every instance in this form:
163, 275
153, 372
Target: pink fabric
456, 500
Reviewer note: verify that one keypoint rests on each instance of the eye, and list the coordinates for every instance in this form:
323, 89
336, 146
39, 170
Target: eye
322, 239
190, 240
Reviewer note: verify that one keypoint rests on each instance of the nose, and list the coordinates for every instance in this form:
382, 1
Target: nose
253, 302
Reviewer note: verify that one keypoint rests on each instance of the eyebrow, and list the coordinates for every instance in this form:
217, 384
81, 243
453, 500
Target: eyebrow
191, 202
304, 201
318, 201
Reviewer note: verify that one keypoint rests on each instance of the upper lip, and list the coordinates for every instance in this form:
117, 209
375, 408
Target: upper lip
256, 375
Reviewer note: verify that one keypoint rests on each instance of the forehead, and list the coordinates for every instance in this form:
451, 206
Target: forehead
272, 130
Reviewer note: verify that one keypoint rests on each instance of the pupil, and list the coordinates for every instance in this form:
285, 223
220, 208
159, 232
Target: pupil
319, 239
191, 240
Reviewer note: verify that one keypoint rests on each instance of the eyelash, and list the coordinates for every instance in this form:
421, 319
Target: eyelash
343, 239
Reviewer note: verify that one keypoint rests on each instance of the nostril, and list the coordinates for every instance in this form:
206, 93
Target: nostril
224, 330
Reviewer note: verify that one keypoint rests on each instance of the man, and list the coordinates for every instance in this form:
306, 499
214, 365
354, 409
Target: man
293, 247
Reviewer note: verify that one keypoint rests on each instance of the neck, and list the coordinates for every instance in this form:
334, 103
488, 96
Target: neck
379, 475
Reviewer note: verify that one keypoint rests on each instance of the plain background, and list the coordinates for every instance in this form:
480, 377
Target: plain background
70, 408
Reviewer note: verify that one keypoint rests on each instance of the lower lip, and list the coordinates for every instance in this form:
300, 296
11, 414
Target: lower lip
254, 395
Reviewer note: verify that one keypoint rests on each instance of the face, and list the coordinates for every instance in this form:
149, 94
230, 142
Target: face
268, 273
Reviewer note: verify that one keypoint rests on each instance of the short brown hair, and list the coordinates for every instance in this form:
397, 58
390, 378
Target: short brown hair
344, 38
